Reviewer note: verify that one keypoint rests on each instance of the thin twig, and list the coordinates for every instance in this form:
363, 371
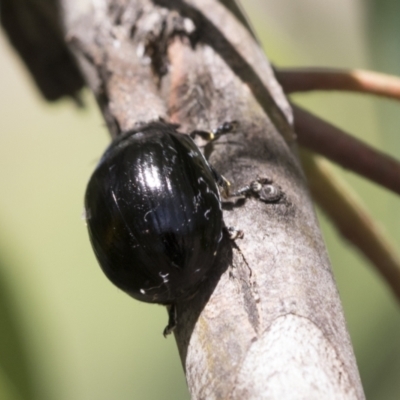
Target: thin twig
307, 79
333, 143
352, 219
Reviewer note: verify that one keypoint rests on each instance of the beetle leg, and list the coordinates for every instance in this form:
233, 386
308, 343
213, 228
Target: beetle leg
222, 182
234, 233
270, 193
263, 188
226, 127
254, 188
172, 320
205, 135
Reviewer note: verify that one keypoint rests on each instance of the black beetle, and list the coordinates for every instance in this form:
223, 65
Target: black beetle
154, 214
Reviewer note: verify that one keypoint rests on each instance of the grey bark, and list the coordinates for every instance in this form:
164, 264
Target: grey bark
268, 324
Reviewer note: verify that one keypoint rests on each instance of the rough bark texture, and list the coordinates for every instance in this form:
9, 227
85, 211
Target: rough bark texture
268, 324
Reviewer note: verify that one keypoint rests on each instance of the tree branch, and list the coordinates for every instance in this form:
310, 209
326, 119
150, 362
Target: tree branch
352, 220
270, 312
307, 79
336, 145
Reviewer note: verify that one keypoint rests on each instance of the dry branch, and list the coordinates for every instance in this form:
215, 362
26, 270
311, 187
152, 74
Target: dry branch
268, 323
352, 220
307, 79
336, 145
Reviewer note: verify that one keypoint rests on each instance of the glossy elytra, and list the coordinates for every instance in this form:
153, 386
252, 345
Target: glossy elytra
154, 214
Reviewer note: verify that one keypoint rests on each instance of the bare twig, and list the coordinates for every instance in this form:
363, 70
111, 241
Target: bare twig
307, 79
333, 143
352, 219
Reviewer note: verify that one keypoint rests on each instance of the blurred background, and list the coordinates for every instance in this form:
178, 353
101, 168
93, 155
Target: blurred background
67, 333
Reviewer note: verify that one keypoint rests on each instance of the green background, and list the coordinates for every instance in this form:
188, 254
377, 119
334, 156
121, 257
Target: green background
65, 332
